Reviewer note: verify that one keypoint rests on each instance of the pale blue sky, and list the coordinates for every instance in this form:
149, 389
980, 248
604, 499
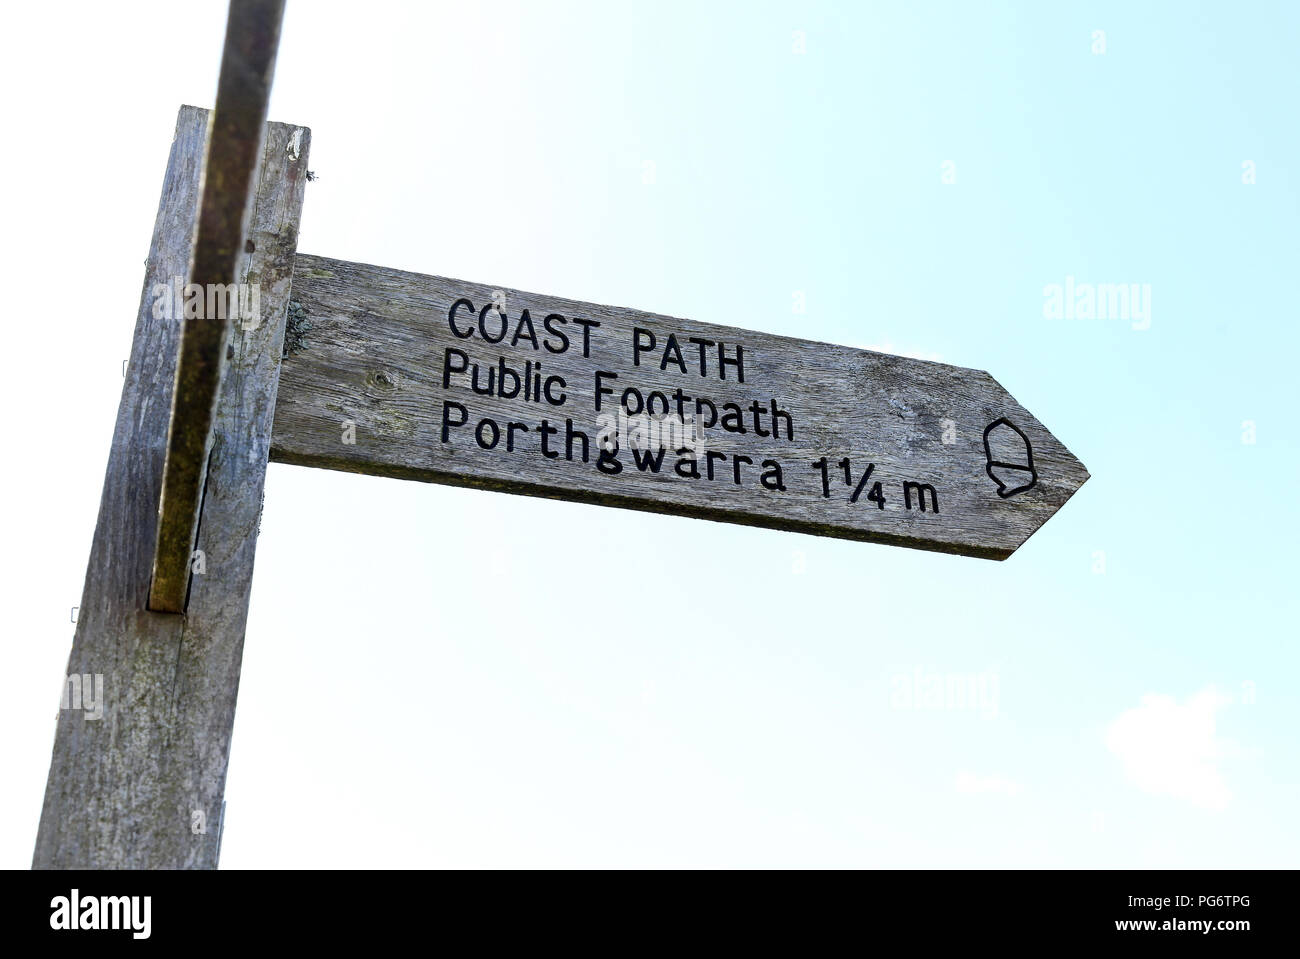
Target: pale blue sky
451, 677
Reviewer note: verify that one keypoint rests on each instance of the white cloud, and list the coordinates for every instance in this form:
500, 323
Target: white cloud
1172, 750
971, 783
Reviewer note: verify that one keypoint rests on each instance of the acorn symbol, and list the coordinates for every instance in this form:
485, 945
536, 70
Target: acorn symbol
1010, 458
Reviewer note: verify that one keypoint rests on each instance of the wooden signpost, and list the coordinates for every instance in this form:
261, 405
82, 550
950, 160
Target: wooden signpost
433, 379
372, 370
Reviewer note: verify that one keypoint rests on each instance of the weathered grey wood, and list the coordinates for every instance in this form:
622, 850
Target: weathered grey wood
363, 390
123, 790
238, 122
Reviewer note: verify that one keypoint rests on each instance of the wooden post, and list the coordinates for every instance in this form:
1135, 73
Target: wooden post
142, 787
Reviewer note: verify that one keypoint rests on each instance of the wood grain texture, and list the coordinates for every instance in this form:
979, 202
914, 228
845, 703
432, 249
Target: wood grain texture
362, 389
234, 149
122, 790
